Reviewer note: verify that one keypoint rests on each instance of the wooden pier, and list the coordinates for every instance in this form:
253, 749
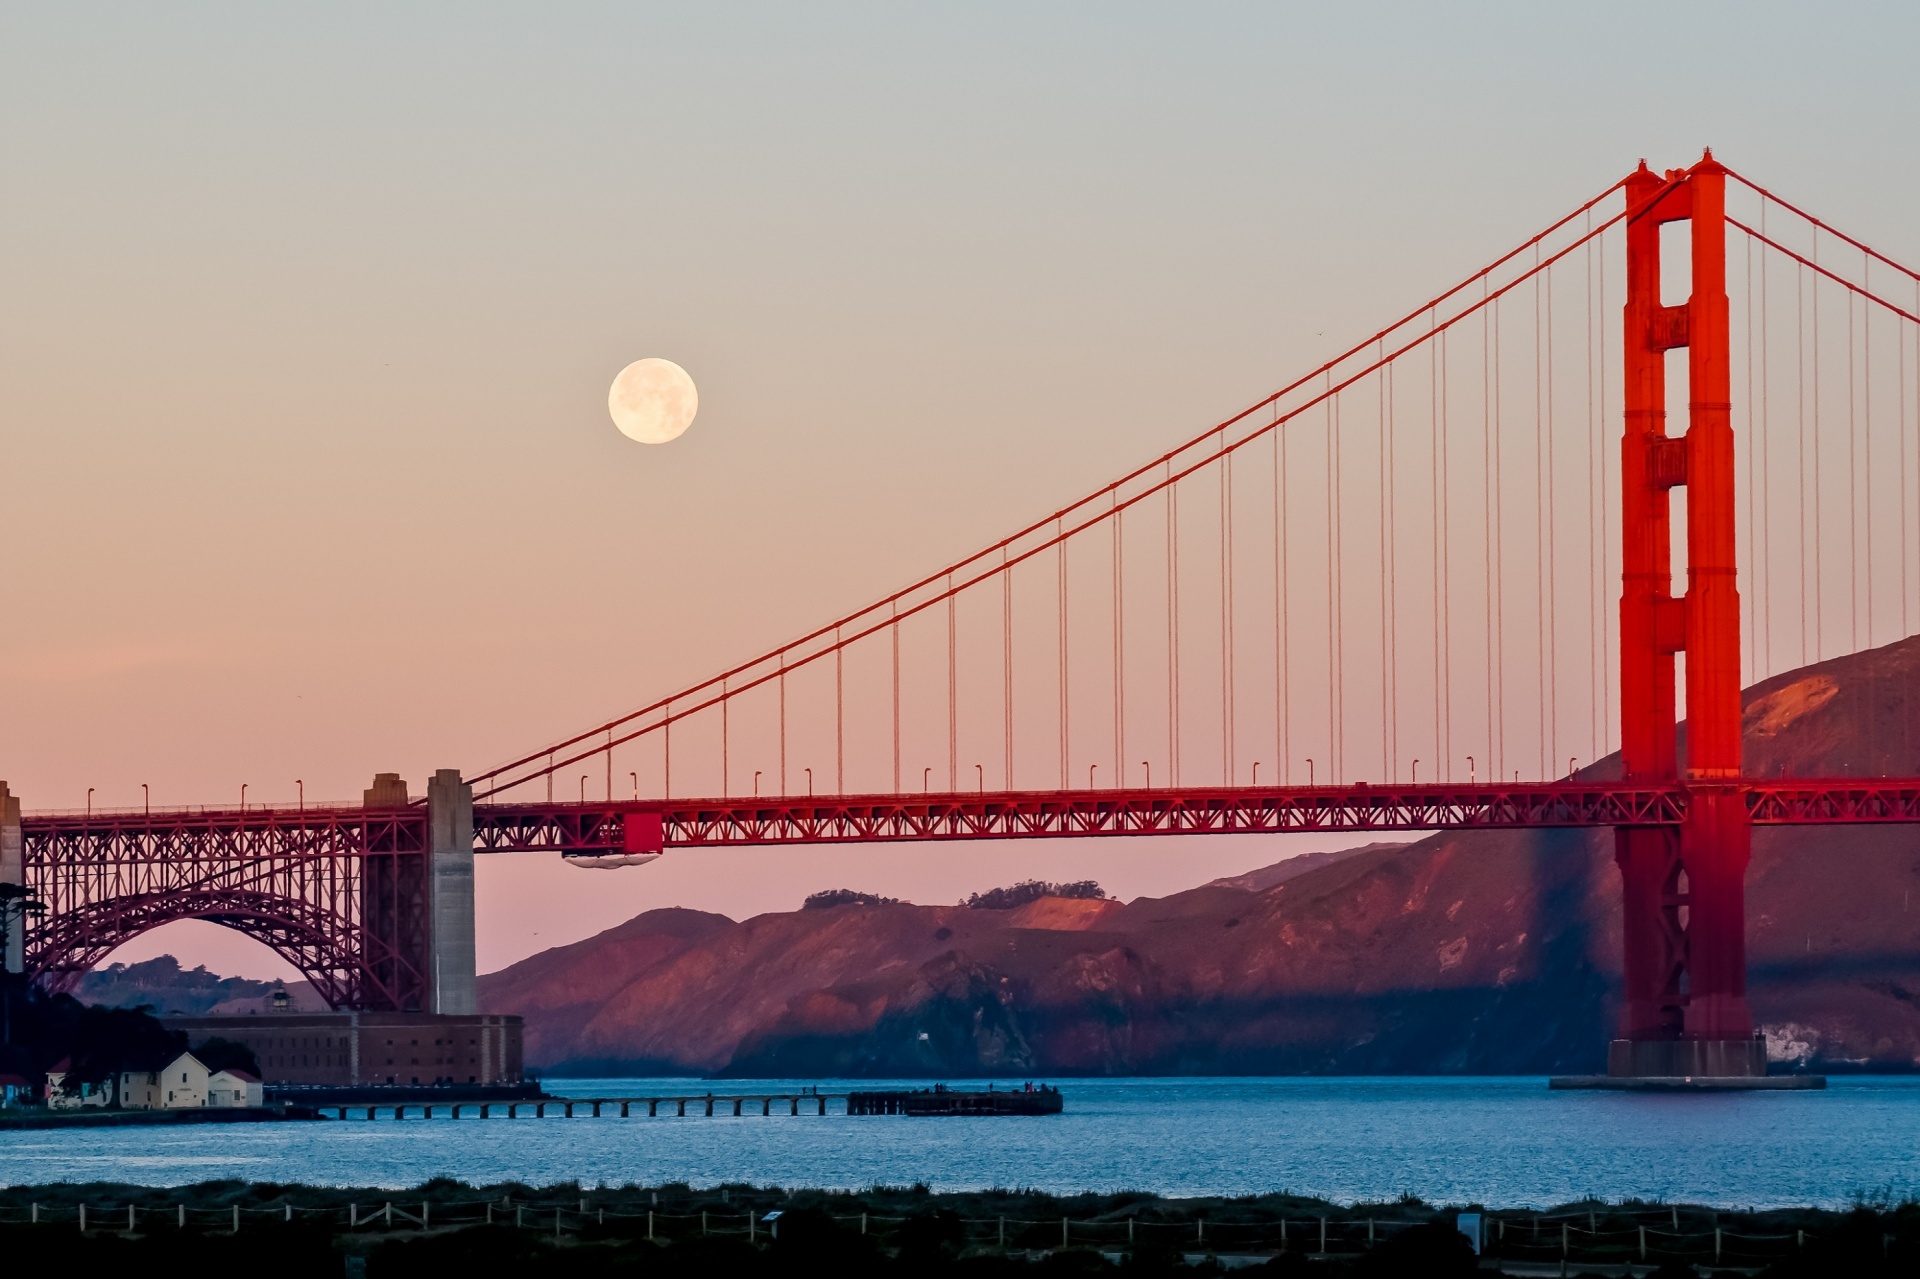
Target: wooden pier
936, 1101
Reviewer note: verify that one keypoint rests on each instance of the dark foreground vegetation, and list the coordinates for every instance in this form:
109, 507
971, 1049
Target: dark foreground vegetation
450, 1227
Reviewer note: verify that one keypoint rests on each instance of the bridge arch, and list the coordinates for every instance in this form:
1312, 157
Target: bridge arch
330, 952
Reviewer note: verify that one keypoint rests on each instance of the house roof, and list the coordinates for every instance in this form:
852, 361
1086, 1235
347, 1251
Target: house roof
241, 1075
61, 1067
14, 1081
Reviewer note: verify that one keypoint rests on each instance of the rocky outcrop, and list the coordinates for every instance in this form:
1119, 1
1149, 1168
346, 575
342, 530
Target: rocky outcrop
1465, 952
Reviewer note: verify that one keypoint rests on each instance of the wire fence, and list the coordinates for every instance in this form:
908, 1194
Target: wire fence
1651, 1235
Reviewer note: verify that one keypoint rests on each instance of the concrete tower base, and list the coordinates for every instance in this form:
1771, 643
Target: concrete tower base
1687, 1065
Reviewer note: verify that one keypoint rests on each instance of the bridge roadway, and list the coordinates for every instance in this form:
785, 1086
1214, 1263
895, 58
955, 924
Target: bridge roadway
598, 828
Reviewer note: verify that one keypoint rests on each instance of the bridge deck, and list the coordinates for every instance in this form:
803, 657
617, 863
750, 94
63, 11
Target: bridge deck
602, 826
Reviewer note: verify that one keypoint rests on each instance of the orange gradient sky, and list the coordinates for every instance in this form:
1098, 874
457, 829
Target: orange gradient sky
307, 318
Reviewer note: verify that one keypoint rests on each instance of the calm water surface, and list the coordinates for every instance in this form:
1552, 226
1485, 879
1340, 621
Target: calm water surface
1505, 1142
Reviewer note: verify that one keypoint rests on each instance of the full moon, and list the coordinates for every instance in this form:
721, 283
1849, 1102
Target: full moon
653, 401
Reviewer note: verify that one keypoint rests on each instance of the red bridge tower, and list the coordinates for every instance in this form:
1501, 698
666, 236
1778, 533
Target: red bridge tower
1685, 887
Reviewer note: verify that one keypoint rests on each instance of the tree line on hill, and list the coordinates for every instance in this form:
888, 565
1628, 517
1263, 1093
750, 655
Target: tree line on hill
1011, 897
40, 1031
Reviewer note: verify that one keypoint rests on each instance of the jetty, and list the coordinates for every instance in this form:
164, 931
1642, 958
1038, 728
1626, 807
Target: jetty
941, 1100
936, 1101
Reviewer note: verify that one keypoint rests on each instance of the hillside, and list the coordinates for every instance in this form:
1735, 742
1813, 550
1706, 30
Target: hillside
1464, 952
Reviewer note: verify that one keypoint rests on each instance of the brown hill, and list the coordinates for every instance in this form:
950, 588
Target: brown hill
1465, 952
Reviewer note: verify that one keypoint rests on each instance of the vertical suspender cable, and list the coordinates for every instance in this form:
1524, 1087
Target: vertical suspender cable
1819, 533
1486, 520
1866, 431
1006, 666
1061, 562
839, 715
1173, 629
1227, 769
1800, 405
1393, 585
1282, 690
953, 692
1498, 504
1444, 665
1333, 605
1389, 757
894, 632
1437, 478
1593, 533
1119, 646
1749, 651
1853, 494
1764, 448
1546, 496
1540, 481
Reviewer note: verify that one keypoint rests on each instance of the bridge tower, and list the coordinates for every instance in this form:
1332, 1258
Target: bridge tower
1684, 888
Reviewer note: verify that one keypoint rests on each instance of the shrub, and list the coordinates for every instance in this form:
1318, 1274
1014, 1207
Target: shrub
845, 897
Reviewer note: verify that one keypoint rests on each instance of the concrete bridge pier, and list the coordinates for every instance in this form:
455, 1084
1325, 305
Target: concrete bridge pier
450, 892
13, 870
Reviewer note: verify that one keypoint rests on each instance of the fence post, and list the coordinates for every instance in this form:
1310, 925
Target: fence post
236, 1219
556, 1222
1200, 1227
83, 1219
1800, 1239
353, 1216
387, 1212
489, 1212
1565, 1237
519, 1216
1643, 1243
424, 1219
1003, 1230
1063, 1232
289, 1214
1129, 1230
1369, 1232
753, 1227
703, 1222
36, 1214
1323, 1236
1675, 1209
863, 1221
129, 1218
1716, 1245
1283, 1234
183, 1217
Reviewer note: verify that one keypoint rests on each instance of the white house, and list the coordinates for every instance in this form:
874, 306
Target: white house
140, 1090
63, 1094
235, 1088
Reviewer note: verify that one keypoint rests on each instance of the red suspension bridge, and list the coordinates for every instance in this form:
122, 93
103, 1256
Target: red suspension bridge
1412, 590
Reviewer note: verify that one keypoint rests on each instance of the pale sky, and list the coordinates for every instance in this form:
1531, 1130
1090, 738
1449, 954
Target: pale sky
307, 318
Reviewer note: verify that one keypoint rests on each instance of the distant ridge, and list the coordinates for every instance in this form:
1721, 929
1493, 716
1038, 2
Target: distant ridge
1259, 881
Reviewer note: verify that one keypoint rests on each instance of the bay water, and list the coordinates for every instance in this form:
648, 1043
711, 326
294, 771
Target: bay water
1505, 1142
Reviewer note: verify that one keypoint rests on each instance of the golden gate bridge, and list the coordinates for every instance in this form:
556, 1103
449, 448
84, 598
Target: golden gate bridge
1417, 586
